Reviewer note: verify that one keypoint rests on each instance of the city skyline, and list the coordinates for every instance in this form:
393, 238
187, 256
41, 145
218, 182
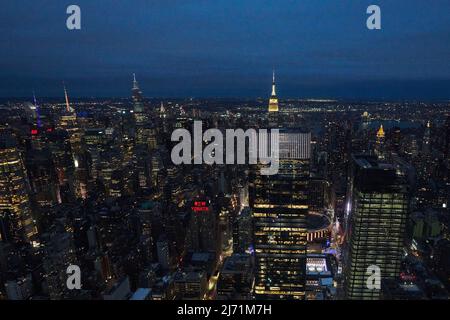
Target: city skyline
241, 152
92, 187
34, 95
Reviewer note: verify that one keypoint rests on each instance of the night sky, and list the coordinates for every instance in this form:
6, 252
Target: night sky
226, 48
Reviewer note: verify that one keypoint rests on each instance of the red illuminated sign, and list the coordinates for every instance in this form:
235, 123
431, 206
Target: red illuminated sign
199, 206
34, 131
407, 277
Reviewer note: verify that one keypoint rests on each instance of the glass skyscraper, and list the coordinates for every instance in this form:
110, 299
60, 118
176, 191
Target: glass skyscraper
376, 225
16, 220
280, 205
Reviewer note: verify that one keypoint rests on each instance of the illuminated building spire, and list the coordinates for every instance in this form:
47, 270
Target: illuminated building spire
68, 108
162, 111
38, 117
138, 100
135, 83
273, 101
273, 84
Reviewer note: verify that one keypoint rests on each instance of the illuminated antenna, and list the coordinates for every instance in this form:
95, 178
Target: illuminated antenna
135, 84
273, 83
38, 118
68, 108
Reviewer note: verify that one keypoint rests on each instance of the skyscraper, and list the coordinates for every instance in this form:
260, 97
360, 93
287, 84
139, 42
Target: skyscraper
280, 205
273, 101
447, 151
426, 144
68, 122
203, 227
138, 105
379, 146
376, 226
243, 231
14, 198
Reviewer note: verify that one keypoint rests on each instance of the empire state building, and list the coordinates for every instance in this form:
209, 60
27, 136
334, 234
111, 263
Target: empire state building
273, 101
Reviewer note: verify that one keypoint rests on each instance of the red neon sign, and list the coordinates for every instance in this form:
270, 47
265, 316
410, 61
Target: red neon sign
407, 277
34, 131
199, 206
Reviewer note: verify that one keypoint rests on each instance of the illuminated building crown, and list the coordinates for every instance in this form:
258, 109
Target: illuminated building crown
380, 133
273, 101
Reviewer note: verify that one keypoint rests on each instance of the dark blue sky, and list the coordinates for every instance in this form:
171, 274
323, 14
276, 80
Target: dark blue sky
226, 48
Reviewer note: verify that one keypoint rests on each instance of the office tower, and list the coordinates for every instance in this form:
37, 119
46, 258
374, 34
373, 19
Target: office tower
59, 146
138, 101
157, 167
203, 227
447, 138
93, 142
426, 144
37, 112
279, 205
273, 101
142, 169
243, 231
338, 145
43, 178
175, 184
38, 137
379, 144
273, 116
140, 116
68, 122
236, 278
396, 140
319, 195
447, 155
14, 188
376, 225
110, 164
